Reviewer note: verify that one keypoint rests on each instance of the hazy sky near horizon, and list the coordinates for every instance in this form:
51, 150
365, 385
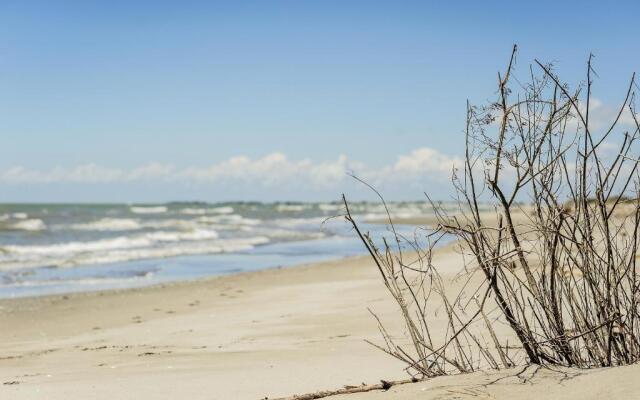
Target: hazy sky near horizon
270, 100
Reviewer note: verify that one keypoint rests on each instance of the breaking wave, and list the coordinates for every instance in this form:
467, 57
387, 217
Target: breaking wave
108, 224
148, 210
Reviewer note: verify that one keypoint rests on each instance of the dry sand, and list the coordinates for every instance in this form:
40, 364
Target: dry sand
269, 333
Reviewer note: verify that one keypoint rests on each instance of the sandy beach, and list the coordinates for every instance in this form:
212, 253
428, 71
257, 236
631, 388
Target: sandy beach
220, 200
270, 333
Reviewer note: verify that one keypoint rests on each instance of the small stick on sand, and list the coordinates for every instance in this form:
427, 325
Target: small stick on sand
383, 385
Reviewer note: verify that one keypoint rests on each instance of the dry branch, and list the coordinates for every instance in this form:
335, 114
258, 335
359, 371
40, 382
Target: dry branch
383, 385
551, 221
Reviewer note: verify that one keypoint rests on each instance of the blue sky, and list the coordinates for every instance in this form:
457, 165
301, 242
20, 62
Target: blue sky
158, 101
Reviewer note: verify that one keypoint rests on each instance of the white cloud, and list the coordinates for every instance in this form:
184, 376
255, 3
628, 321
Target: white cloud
87, 173
272, 170
425, 160
602, 115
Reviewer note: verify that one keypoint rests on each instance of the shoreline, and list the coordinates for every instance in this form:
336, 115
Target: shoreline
196, 266
201, 280
242, 334
252, 335
187, 268
55, 248
161, 284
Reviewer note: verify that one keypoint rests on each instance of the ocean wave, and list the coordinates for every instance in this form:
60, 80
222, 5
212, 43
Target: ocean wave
31, 225
383, 217
292, 207
122, 249
148, 209
203, 211
128, 224
33, 251
193, 211
121, 242
284, 234
79, 281
329, 207
295, 222
222, 210
231, 219
198, 234
182, 249
108, 224
180, 224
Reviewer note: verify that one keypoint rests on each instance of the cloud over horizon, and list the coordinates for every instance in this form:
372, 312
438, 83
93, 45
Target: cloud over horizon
273, 171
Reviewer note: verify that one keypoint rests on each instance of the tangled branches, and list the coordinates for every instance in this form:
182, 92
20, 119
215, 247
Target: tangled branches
549, 214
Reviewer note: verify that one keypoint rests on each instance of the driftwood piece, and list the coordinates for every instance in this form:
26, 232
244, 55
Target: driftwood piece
383, 385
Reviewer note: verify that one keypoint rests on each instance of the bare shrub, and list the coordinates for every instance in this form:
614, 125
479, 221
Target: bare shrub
549, 210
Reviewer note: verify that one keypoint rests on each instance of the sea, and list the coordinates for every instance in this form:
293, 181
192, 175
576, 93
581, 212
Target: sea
62, 248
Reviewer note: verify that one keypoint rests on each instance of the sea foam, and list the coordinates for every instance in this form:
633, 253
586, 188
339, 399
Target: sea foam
32, 225
148, 210
108, 224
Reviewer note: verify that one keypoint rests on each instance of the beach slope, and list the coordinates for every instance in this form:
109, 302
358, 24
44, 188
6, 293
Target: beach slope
262, 334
